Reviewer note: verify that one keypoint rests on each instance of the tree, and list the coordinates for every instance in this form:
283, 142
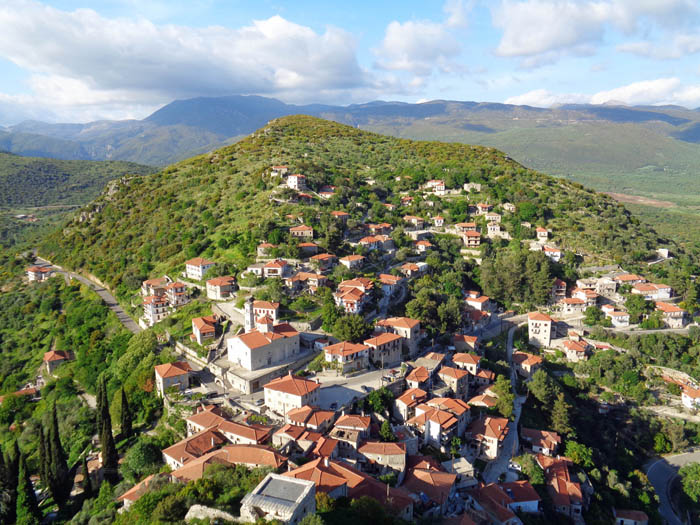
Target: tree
44, 459
690, 479
450, 315
381, 399
637, 306
9, 483
27, 506
676, 435
60, 483
87, 482
579, 453
351, 327
385, 432
455, 446
541, 387
330, 313
110, 457
324, 503
312, 519
126, 417
504, 403
560, 415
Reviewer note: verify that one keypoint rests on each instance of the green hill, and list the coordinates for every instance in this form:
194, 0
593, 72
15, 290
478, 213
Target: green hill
49, 188
218, 205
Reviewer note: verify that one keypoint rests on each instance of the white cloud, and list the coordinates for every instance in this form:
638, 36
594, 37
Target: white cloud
660, 91
417, 47
677, 47
543, 98
81, 59
457, 12
551, 28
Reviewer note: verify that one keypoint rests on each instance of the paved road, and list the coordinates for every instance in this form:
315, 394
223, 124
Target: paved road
104, 294
661, 473
510, 445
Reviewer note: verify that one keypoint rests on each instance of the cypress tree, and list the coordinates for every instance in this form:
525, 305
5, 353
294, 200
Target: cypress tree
87, 483
44, 460
27, 507
126, 418
110, 457
4, 488
12, 471
57, 465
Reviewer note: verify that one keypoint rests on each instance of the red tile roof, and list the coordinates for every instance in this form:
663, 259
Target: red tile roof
199, 261
289, 384
178, 368
384, 449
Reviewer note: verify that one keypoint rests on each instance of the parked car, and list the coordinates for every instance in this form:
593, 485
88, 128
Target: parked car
259, 402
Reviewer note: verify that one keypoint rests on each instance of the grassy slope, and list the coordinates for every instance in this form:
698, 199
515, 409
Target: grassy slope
153, 224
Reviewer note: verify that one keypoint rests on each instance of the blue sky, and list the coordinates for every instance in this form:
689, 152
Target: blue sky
66, 60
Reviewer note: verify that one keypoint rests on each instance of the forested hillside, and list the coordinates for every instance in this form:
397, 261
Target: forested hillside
218, 205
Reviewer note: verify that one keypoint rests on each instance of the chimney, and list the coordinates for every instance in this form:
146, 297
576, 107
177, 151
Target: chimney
413, 397
325, 462
212, 441
342, 412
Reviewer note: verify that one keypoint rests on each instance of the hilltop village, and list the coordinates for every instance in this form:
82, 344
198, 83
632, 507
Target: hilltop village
303, 364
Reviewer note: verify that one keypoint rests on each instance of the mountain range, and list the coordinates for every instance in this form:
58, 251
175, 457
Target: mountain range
642, 151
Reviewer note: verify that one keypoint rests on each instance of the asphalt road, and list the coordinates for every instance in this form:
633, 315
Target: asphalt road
104, 294
661, 473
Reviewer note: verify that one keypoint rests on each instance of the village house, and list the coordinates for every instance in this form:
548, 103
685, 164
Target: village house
439, 420
294, 439
418, 378
155, 308
526, 364
383, 228
352, 262
276, 268
566, 495
288, 392
589, 297
422, 246
279, 171
542, 234
509, 207
172, 375
553, 253
539, 327
347, 356
385, 349
472, 239
558, 290
463, 227
572, 306
221, 288
576, 350
197, 268
39, 273
618, 318
309, 248
390, 283
456, 379
176, 294
487, 435
339, 479
416, 222
341, 216
483, 208
405, 405
326, 192
53, 358
407, 328
279, 499
438, 221
431, 487
413, 269
302, 231
484, 377
673, 316
436, 185
601, 285
325, 261
296, 182
630, 517
652, 292
154, 286
690, 396
204, 328
391, 456
468, 362
265, 249
311, 418
493, 229
541, 441
192, 447
629, 278
476, 301
306, 281
492, 217
465, 343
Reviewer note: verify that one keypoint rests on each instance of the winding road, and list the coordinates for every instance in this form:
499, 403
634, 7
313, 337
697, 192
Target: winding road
100, 290
661, 474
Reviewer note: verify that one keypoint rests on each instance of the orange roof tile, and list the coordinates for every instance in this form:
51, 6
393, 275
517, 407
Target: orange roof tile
297, 386
178, 368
